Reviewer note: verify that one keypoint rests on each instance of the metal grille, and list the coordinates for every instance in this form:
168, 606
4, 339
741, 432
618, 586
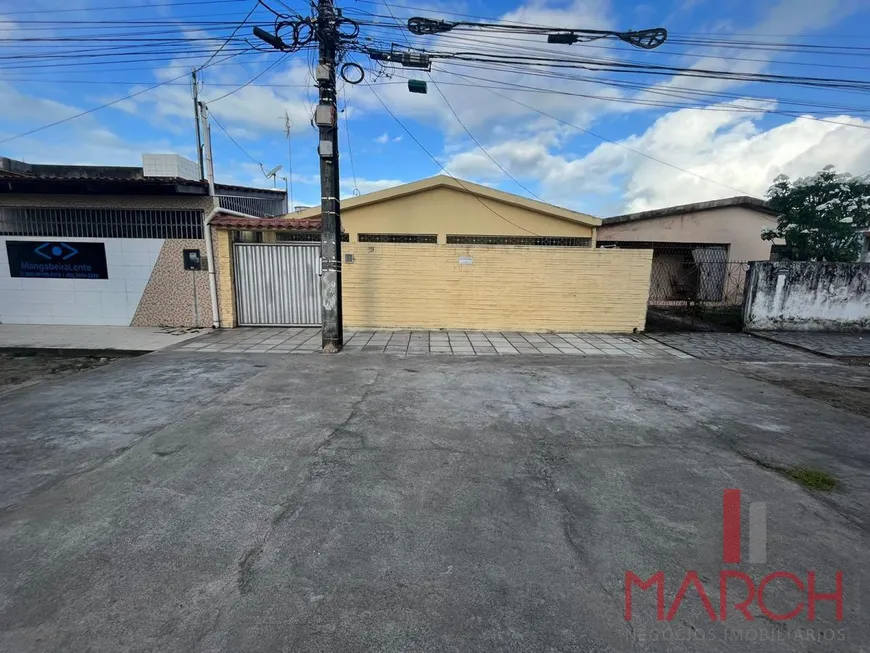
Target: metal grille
539, 241
100, 223
261, 207
398, 238
303, 236
696, 294
277, 284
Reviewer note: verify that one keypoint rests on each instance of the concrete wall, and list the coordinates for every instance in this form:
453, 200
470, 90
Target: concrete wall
111, 301
445, 211
797, 296
500, 288
738, 226
175, 296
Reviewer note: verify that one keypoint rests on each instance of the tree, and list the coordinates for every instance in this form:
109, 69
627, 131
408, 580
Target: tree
821, 218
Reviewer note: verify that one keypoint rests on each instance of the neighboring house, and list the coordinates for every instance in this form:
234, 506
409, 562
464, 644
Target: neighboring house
436, 254
696, 247
129, 228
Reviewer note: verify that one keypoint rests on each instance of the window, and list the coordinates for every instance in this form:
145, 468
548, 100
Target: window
540, 241
100, 223
398, 238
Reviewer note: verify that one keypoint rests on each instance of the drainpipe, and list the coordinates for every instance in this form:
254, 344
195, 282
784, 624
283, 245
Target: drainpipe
209, 257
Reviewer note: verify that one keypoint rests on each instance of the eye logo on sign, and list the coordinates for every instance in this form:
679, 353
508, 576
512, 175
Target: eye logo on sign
56, 250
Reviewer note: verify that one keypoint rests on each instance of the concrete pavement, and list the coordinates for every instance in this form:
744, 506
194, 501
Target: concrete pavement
206, 502
89, 338
298, 340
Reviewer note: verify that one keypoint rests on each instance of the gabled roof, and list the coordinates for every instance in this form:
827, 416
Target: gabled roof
744, 200
443, 181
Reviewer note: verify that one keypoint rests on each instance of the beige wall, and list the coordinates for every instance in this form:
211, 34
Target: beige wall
504, 289
738, 226
223, 260
168, 299
445, 211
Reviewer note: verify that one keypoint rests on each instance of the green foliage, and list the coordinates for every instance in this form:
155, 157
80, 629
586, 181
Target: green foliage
814, 479
822, 217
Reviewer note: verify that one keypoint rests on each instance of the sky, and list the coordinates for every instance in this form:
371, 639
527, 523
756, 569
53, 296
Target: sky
604, 142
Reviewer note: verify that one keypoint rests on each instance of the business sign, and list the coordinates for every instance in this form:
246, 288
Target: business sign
56, 260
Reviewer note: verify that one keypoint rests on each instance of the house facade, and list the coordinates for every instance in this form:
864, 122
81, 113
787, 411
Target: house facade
434, 254
700, 250
99, 245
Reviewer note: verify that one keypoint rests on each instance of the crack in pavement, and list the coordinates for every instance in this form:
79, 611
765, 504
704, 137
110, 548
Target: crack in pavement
296, 500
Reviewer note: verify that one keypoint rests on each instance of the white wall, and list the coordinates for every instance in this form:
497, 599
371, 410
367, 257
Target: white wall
799, 296
111, 301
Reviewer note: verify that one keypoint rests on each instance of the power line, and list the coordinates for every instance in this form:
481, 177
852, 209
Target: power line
94, 109
148, 6
234, 32
468, 131
252, 80
440, 165
612, 142
349, 148
234, 141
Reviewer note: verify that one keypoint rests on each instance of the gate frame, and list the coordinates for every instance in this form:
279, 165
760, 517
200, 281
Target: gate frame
236, 286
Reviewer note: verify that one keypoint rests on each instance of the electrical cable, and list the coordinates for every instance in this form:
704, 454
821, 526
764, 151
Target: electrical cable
612, 142
252, 80
94, 109
349, 148
439, 164
233, 140
467, 131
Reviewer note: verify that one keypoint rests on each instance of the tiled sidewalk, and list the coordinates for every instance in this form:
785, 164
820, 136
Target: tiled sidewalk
459, 343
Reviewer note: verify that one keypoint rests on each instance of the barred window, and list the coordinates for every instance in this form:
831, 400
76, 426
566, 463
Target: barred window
304, 237
540, 241
262, 207
100, 223
398, 238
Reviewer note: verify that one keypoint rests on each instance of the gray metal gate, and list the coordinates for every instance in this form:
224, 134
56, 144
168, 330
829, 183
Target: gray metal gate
277, 284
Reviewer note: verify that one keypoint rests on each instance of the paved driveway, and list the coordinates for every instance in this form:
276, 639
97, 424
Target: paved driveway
187, 501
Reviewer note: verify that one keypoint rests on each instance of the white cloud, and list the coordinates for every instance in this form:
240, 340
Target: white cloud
382, 139
725, 146
367, 185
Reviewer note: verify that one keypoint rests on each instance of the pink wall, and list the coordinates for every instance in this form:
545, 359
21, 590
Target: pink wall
735, 225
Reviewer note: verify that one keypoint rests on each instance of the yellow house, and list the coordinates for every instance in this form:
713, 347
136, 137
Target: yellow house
442, 206
439, 253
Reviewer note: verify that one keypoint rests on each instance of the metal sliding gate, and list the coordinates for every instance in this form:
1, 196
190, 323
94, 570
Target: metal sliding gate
277, 284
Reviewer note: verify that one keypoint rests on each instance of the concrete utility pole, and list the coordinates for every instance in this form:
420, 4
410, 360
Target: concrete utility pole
196, 116
206, 128
330, 207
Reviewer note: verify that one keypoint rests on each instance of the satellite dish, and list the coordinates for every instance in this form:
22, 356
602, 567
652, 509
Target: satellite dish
273, 171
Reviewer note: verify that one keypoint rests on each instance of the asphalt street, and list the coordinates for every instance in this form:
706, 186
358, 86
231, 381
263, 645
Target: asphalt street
186, 501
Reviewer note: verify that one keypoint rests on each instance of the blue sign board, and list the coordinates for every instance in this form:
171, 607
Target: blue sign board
56, 260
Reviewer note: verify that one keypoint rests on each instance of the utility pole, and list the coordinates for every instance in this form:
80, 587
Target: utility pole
209, 159
330, 207
196, 116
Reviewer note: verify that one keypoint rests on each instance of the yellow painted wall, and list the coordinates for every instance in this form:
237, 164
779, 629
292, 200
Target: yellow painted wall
445, 211
223, 249
504, 289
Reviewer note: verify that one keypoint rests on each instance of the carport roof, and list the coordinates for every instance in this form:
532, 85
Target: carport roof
251, 223
443, 181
